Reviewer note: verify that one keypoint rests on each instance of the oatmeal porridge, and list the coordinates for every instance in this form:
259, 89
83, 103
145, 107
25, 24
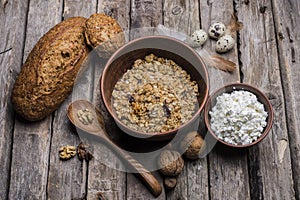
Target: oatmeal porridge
155, 95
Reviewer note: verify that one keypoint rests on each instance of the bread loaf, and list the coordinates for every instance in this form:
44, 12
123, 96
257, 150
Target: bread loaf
48, 75
103, 33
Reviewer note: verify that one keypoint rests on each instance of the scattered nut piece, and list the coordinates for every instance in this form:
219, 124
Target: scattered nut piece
83, 153
67, 152
170, 183
216, 30
191, 145
85, 116
170, 163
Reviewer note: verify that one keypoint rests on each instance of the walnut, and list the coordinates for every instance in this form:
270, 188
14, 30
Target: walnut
67, 152
170, 163
84, 153
191, 145
170, 183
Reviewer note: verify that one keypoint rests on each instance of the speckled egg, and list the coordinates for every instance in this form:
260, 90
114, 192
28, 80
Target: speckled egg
216, 30
225, 44
198, 38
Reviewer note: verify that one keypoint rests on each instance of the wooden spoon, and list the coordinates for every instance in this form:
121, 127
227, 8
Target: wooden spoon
96, 128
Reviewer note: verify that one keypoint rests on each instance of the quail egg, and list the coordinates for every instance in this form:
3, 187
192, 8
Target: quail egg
216, 30
198, 38
224, 44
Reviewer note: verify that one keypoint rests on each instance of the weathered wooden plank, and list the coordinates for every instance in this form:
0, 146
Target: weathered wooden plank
79, 8
105, 173
210, 12
67, 179
181, 191
12, 23
183, 16
103, 176
286, 17
270, 161
228, 174
30, 155
119, 10
144, 13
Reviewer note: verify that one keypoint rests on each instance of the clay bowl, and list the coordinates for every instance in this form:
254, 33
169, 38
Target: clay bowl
161, 46
211, 101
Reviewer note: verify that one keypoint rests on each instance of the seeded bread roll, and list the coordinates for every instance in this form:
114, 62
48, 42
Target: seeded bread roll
104, 33
47, 76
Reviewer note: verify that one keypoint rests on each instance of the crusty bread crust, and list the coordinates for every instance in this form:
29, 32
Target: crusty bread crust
48, 75
104, 33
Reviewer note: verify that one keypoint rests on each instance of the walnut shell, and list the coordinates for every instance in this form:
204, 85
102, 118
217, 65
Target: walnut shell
170, 183
84, 153
170, 163
103, 33
191, 145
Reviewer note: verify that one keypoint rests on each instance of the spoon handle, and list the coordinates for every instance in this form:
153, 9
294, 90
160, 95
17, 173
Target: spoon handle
144, 175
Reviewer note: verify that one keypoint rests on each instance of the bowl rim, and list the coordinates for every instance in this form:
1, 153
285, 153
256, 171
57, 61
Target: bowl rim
156, 134
257, 92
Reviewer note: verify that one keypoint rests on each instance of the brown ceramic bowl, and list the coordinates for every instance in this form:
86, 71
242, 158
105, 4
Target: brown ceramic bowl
161, 46
228, 89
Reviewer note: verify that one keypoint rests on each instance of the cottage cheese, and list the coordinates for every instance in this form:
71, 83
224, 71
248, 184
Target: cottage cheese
238, 118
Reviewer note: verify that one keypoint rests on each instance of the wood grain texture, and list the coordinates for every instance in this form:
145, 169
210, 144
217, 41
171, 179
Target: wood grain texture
12, 23
118, 9
228, 172
84, 8
103, 177
267, 55
67, 179
144, 13
106, 171
183, 16
182, 187
216, 11
30, 160
287, 18
269, 162
29, 171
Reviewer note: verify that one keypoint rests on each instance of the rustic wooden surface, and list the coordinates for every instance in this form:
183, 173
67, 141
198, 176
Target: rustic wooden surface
266, 53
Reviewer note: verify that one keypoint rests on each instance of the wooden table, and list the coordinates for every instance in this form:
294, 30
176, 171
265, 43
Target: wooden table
267, 55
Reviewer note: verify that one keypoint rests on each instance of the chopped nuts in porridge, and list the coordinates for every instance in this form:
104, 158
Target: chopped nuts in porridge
156, 95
